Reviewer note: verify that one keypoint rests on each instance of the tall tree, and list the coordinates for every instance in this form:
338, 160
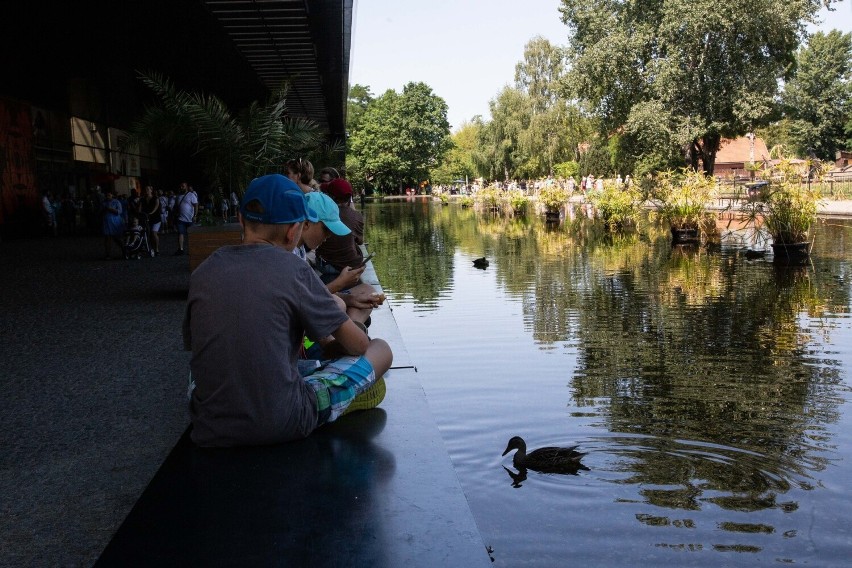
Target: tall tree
458, 162
817, 98
539, 73
401, 136
555, 127
711, 67
359, 99
501, 153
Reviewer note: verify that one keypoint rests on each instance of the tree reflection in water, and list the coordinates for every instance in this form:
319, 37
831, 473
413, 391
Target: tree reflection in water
698, 361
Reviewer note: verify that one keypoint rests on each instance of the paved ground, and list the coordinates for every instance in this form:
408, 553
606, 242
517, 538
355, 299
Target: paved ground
93, 386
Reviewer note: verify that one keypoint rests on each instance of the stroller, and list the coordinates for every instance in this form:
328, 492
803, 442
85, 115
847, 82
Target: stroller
136, 239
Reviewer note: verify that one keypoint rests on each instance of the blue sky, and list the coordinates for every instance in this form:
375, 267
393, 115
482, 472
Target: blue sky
466, 50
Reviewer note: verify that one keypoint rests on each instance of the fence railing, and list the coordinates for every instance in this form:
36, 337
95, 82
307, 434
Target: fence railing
830, 187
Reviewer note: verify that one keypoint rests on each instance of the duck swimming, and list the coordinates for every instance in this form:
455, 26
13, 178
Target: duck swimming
481, 263
545, 460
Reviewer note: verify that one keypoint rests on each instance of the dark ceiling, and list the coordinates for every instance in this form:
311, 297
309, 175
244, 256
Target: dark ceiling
305, 42
236, 49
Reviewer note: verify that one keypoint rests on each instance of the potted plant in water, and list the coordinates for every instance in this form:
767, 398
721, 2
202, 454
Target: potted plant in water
681, 200
552, 198
619, 208
787, 207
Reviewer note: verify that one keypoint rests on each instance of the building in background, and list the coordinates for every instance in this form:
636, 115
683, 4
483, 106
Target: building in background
69, 86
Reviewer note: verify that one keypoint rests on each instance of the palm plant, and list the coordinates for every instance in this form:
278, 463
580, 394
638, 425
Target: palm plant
682, 199
553, 198
788, 205
234, 147
618, 208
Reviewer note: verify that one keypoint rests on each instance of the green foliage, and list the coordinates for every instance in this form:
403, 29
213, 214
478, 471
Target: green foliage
532, 127
566, 169
401, 137
789, 206
518, 201
458, 163
490, 197
466, 201
553, 197
359, 99
596, 161
617, 207
235, 148
817, 99
709, 69
682, 197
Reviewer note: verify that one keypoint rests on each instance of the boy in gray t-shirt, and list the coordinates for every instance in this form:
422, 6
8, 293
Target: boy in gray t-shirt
249, 307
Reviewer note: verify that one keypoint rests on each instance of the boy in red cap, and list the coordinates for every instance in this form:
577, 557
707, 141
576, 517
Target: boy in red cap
338, 252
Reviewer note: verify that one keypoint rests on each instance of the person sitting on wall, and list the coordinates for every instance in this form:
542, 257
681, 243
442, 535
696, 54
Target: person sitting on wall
338, 252
249, 307
356, 298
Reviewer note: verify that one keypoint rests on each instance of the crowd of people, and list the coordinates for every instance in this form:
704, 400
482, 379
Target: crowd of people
585, 185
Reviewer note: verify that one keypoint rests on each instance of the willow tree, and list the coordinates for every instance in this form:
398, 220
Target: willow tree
556, 128
233, 146
705, 69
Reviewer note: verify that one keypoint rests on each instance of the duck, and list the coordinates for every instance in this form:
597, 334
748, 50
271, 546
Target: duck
481, 263
545, 460
752, 253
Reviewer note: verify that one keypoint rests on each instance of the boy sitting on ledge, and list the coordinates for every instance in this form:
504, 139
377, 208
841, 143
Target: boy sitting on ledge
249, 306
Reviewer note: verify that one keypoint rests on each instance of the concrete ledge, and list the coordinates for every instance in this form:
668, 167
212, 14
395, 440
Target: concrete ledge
376, 488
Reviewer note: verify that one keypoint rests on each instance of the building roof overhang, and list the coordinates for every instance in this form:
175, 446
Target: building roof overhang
303, 42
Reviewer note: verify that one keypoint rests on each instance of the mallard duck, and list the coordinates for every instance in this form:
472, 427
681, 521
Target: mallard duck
545, 460
481, 262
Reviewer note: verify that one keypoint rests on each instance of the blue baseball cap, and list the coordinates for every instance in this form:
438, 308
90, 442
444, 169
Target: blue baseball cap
328, 212
281, 199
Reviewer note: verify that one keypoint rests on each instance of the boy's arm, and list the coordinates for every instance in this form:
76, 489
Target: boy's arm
350, 340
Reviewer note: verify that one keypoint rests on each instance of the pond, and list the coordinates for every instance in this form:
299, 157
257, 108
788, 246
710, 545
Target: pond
710, 390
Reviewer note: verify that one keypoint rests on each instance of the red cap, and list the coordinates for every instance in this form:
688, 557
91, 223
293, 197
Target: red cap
338, 189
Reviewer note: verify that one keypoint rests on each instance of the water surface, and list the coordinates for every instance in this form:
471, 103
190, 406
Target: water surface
710, 390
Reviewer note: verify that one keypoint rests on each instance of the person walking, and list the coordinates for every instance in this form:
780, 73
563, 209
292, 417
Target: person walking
112, 225
187, 212
151, 208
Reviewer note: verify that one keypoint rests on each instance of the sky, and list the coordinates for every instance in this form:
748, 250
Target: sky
465, 50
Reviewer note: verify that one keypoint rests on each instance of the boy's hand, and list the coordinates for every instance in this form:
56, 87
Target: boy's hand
348, 278
363, 300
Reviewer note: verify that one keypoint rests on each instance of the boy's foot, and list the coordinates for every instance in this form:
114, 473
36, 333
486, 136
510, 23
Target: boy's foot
178, 252
370, 398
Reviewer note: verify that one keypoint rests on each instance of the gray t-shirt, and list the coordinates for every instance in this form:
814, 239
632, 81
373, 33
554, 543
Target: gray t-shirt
248, 307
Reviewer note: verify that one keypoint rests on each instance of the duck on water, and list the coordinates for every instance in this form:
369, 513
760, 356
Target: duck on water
545, 460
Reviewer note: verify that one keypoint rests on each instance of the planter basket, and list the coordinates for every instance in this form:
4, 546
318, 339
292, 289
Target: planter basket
685, 236
551, 216
791, 253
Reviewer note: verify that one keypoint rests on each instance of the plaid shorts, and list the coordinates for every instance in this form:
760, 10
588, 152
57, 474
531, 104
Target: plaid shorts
338, 383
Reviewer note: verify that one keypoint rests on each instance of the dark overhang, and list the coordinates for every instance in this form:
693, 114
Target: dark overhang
304, 42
